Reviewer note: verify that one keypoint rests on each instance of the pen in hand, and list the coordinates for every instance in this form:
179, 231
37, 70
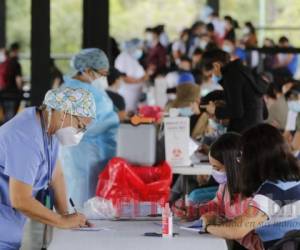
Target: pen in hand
73, 205
88, 224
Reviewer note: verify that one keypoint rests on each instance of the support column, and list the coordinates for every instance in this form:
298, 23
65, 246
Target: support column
2, 23
215, 4
40, 50
96, 24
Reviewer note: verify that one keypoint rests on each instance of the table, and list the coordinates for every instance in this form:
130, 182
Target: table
202, 169
128, 235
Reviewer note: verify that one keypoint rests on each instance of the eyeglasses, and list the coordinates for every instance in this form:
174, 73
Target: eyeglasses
81, 126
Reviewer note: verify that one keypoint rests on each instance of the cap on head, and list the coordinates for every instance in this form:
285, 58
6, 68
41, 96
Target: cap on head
132, 44
186, 78
78, 102
91, 58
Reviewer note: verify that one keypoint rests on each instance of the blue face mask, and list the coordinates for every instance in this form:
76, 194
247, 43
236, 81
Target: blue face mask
219, 176
216, 126
186, 112
138, 54
294, 106
216, 79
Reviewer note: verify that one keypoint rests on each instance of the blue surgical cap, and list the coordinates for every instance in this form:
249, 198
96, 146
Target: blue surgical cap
91, 58
132, 44
186, 77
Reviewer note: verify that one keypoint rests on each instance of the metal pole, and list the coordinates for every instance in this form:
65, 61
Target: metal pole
2, 23
262, 20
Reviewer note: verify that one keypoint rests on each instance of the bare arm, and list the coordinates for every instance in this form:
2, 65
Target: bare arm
19, 82
21, 199
59, 188
240, 226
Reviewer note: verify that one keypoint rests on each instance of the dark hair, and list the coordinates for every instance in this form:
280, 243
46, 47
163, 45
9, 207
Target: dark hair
271, 92
186, 59
229, 19
215, 55
226, 150
14, 46
210, 27
216, 95
265, 156
196, 25
198, 51
251, 27
283, 39
114, 75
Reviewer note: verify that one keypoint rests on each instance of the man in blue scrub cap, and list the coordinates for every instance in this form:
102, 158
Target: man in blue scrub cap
28, 162
83, 163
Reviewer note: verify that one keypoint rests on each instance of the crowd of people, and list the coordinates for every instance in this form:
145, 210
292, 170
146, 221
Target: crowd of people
245, 120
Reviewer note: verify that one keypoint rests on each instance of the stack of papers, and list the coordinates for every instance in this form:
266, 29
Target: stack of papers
196, 226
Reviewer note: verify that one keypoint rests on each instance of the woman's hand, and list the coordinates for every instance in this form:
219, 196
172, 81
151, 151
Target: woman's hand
209, 219
72, 221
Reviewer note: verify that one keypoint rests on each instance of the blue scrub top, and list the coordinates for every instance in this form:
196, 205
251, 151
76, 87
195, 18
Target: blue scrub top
22, 157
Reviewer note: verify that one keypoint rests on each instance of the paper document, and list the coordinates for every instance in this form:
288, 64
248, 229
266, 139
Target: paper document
91, 229
195, 226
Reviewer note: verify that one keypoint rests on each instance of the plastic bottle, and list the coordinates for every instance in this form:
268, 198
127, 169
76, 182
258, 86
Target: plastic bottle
167, 222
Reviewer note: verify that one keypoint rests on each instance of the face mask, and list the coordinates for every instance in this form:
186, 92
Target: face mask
202, 44
216, 126
100, 83
149, 37
137, 54
294, 106
246, 31
2, 57
227, 49
68, 136
220, 177
216, 79
186, 112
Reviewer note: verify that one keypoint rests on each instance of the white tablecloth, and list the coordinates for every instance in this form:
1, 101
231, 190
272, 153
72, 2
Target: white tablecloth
128, 235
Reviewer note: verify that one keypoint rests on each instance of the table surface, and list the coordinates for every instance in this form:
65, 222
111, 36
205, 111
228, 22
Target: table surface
201, 169
128, 235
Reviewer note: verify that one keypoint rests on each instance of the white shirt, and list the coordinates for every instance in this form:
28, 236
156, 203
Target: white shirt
131, 92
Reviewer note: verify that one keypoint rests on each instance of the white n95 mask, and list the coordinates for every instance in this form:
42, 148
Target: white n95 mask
100, 83
69, 136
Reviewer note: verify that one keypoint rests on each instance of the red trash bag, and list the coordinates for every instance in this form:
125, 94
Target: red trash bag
121, 181
154, 112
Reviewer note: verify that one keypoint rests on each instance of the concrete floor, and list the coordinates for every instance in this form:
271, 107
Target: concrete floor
33, 236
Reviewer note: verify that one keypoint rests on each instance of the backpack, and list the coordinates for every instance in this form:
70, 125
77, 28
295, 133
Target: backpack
4, 71
291, 241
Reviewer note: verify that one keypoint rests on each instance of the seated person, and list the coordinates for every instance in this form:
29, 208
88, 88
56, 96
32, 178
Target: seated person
206, 127
271, 175
114, 81
187, 96
228, 202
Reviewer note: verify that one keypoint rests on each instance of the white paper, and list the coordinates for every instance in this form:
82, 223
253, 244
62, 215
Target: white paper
193, 146
177, 135
195, 226
92, 229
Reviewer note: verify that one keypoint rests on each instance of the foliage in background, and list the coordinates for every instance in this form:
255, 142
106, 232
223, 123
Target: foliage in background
128, 18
